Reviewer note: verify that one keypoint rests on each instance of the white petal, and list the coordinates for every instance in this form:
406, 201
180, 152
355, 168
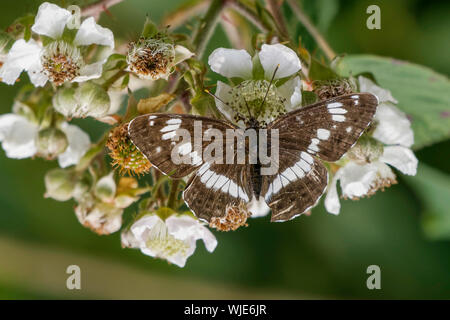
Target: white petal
258, 208
22, 56
356, 180
185, 227
116, 97
393, 127
180, 257
367, 85
79, 143
292, 91
128, 239
51, 20
141, 227
272, 55
332, 203
181, 54
401, 158
105, 188
92, 33
231, 63
223, 93
18, 136
90, 71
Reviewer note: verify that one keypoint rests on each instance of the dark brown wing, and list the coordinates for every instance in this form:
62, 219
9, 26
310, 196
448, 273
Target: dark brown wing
215, 187
328, 128
296, 187
155, 136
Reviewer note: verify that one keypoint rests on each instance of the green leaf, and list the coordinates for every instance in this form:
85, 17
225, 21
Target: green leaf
319, 71
423, 94
433, 189
308, 97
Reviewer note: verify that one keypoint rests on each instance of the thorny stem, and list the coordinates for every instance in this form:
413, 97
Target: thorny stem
304, 19
206, 26
97, 8
280, 24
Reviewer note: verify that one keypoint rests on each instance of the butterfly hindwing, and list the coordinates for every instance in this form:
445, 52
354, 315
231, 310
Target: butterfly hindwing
328, 128
296, 187
214, 187
153, 135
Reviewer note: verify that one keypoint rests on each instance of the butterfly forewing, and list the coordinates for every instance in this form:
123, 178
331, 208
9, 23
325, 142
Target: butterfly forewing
153, 135
328, 128
212, 187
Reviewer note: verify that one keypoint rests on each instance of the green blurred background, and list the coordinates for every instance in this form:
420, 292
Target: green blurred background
321, 256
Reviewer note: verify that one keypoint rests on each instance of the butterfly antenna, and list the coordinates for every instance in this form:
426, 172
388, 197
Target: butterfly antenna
248, 108
214, 96
268, 88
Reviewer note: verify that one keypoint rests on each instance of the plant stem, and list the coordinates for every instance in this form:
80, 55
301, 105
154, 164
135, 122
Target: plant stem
206, 26
274, 9
173, 193
249, 14
304, 19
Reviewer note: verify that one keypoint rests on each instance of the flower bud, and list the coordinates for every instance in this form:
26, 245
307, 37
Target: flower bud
59, 184
102, 218
89, 100
105, 188
93, 101
51, 142
65, 102
365, 151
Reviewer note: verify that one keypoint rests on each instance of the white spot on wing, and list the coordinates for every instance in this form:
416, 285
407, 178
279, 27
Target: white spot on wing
205, 177
334, 105
338, 118
173, 121
349, 129
277, 184
152, 117
170, 127
323, 134
337, 111
168, 135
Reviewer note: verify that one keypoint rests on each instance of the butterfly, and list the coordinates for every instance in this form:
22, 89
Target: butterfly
325, 130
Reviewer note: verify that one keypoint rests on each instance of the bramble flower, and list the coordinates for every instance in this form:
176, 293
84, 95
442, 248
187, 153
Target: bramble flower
173, 238
366, 167
256, 74
101, 209
58, 59
155, 58
21, 138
